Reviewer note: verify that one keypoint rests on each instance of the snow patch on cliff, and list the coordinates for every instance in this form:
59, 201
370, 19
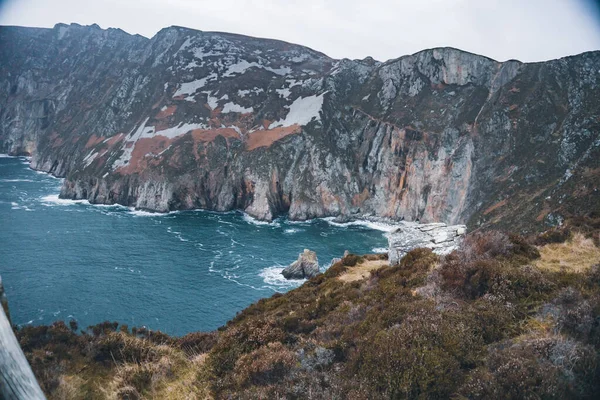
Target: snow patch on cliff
302, 111
285, 93
144, 131
89, 159
193, 86
212, 101
62, 31
244, 65
179, 130
185, 45
232, 107
246, 92
200, 54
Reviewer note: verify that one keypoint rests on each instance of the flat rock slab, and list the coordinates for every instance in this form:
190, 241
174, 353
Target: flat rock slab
439, 237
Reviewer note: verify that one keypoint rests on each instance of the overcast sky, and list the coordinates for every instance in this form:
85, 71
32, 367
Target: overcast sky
528, 30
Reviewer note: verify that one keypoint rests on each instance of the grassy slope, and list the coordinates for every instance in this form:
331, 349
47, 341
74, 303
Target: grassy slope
493, 320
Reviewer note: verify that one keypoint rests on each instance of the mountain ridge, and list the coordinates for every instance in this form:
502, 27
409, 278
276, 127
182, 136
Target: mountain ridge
225, 121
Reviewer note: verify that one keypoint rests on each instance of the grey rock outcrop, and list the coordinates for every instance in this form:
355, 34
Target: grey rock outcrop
306, 266
439, 237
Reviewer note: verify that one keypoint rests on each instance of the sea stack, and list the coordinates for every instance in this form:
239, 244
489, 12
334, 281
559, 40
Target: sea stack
306, 266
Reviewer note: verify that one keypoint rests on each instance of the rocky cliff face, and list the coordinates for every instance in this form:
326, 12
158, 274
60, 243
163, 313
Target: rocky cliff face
192, 119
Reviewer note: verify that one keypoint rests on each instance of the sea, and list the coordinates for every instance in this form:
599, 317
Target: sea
178, 272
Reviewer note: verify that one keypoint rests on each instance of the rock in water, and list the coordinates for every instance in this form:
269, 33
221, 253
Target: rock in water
439, 237
306, 266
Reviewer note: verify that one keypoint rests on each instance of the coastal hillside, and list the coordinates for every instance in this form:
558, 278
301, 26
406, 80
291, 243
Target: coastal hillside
503, 317
191, 119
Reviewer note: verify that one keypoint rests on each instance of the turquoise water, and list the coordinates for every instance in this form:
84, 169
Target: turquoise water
178, 272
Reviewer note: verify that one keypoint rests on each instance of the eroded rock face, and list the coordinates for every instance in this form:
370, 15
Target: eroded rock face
191, 119
439, 237
305, 267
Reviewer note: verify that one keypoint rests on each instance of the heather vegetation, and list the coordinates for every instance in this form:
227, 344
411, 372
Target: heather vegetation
491, 320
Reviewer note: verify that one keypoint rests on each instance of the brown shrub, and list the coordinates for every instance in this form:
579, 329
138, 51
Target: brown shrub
265, 365
488, 244
120, 347
573, 314
421, 356
546, 367
238, 340
103, 328
351, 260
50, 337
196, 343
554, 235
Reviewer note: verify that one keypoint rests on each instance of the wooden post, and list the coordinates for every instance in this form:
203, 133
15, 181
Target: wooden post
17, 381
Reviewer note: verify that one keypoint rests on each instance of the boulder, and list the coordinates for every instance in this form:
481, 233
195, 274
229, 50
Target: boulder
306, 266
439, 237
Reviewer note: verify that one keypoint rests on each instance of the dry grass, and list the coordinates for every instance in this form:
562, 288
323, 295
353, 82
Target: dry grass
577, 254
361, 271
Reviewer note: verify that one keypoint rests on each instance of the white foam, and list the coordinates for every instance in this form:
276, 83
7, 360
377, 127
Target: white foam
254, 221
7, 156
303, 222
53, 199
292, 230
142, 213
272, 276
379, 249
46, 174
17, 180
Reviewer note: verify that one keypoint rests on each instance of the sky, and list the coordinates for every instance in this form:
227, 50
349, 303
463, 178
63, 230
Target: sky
527, 30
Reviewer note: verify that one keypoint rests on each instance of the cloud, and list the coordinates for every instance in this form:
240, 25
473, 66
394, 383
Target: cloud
529, 30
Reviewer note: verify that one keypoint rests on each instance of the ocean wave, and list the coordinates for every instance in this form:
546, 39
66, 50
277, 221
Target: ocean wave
303, 222
177, 234
251, 220
47, 174
16, 206
272, 276
53, 199
142, 213
7, 156
291, 230
17, 180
